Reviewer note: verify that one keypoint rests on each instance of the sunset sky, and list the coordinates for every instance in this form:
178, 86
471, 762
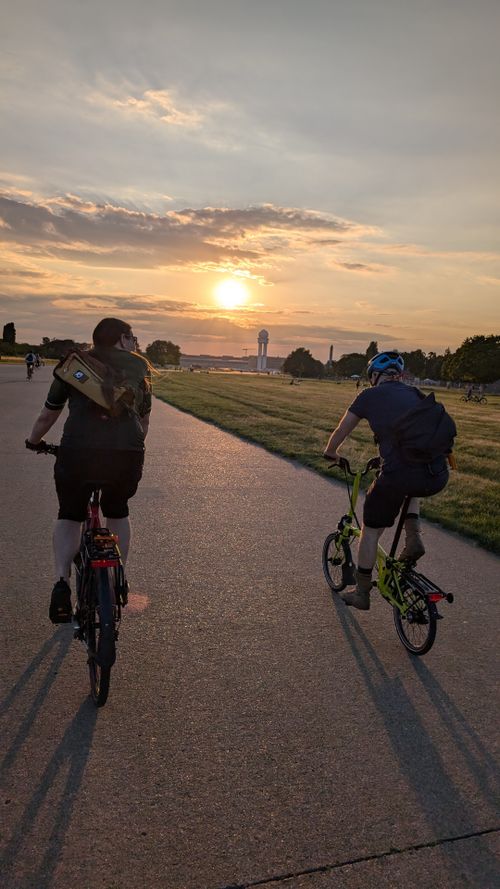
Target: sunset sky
334, 166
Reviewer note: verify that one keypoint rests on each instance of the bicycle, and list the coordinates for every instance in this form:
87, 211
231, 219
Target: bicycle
29, 372
478, 399
413, 596
101, 591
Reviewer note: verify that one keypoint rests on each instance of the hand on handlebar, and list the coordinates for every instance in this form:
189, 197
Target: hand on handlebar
343, 463
337, 460
43, 447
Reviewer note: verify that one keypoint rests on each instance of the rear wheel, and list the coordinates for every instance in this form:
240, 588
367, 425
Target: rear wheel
337, 562
100, 636
417, 628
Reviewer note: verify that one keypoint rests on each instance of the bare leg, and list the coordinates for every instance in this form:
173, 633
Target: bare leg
121, 527
414, 506
367, 551
66, 542
414, 545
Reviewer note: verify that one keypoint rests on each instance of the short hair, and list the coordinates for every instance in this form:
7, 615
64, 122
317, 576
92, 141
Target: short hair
109, 331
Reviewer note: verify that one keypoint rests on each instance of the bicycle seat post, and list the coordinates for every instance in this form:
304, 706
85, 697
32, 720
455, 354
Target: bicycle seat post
399, 528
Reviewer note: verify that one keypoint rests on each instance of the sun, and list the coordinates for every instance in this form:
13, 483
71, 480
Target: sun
231, 293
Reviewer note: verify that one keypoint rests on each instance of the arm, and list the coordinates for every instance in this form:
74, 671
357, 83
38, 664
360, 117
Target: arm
348, 422
144, 421
43, 423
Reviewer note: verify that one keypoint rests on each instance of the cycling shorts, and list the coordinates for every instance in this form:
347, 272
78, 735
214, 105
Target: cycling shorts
78, 471
386, 495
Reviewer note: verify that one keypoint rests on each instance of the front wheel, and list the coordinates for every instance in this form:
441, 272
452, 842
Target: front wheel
417, 628
483, 400
337, 561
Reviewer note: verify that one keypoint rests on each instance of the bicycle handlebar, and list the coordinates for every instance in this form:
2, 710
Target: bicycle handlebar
343, 463
43, 447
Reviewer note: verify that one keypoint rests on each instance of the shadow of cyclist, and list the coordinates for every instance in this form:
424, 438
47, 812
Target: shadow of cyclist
63, 771
418, 757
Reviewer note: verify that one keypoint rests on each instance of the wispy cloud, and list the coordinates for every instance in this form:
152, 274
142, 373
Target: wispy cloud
163, 106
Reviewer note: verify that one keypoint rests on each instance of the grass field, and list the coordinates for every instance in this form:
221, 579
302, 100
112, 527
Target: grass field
296, 421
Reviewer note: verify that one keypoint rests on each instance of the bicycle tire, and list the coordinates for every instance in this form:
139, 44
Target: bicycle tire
483, 400
100, 636
417, 629
337, 564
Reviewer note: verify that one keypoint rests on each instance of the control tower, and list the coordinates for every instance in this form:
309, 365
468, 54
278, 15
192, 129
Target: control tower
262, 340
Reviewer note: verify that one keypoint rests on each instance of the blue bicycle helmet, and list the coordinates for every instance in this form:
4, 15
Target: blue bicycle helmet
385, 362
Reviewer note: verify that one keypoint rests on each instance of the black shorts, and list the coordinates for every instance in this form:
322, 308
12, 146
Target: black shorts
77, 472
386, 495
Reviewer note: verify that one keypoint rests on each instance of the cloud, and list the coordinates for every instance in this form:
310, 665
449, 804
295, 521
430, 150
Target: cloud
159, 105
108, 235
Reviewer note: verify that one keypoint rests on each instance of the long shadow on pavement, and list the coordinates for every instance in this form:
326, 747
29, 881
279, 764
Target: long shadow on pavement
419, 759
61, 777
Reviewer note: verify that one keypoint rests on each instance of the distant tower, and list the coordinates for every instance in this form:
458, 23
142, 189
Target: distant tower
330, 357
262, 341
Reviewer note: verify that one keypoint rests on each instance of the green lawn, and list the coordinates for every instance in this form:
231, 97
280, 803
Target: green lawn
296, 421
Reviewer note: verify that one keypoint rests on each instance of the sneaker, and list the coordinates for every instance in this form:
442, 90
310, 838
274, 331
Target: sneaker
60, 603
358, 599
413, 549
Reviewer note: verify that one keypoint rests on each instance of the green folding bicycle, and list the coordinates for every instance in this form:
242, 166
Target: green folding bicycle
413, 596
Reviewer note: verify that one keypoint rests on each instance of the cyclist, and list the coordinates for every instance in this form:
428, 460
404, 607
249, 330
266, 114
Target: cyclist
95, 446
387, 399
30, 360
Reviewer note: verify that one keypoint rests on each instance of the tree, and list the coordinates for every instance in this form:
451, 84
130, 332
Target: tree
57, 348
300, 363
371, 351
350, 364
477, 360
163, 352
9, 333
415, 362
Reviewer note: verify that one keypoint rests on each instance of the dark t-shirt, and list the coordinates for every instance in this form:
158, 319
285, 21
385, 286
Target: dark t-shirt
88, 425
381, 406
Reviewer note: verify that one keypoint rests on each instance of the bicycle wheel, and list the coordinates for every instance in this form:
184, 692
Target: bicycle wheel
417, 628
483, 400
337, 562
100, 633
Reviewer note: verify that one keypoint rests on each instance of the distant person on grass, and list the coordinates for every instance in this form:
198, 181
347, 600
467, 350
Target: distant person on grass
96, 445
381, 405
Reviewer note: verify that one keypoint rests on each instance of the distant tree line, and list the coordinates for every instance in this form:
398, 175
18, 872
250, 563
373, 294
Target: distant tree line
477, 360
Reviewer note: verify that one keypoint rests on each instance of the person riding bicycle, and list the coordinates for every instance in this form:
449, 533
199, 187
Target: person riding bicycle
30, 360
96, 446
387, 400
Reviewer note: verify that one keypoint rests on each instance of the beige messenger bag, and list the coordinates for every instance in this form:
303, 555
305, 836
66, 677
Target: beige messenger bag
95, 380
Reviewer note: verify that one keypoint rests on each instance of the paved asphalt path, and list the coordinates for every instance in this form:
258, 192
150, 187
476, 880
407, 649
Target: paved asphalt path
257, 732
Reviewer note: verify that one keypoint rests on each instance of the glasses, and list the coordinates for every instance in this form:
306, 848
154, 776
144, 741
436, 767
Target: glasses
129, 336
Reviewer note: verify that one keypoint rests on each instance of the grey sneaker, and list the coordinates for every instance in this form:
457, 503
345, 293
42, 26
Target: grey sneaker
413, 549
358, 599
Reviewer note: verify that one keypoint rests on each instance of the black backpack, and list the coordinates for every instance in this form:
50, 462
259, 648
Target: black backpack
425, 432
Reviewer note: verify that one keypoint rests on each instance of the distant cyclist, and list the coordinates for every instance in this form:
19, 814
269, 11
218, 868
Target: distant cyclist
30, 360
96, 446
382, 405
